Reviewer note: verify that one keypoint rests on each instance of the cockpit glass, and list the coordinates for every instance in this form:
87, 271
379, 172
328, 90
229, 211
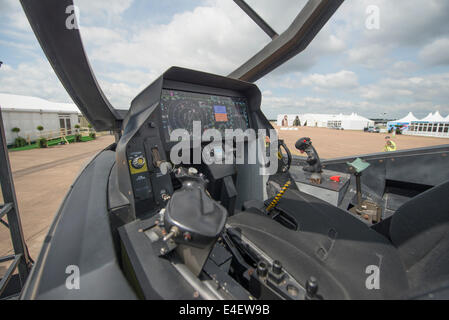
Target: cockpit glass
181, 108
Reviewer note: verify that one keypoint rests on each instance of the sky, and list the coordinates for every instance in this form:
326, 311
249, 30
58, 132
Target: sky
379, 68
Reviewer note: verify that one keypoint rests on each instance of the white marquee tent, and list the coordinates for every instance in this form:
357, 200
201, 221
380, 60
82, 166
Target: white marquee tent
347, 122
405, 122
434, 125
27, 113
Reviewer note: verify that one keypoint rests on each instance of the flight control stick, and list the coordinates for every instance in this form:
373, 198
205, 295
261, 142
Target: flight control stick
194, 220
313, 160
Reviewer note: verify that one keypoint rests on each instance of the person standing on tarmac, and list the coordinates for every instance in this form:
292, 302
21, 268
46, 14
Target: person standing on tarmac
390, 145
297, 122
285, 121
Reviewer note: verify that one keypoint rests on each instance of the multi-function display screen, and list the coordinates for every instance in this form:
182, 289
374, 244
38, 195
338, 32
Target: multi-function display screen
181, 108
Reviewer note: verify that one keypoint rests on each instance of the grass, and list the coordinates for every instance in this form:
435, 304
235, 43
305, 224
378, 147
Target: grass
50, 143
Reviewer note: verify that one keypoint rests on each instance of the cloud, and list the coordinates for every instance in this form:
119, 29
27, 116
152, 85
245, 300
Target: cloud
272, 106
35, 78
369, 56
436, 53
402, 22
38, 79
108, 13
215, 38
340, 80
346, 68
433, 87
11, 12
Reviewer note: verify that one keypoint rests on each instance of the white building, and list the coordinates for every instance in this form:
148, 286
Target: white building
27, 113
433, 125
338, 121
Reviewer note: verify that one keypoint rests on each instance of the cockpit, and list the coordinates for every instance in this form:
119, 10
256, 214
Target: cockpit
198, 198
221, 226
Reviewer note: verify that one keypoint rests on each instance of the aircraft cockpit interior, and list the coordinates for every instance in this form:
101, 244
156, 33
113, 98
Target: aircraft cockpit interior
198, 198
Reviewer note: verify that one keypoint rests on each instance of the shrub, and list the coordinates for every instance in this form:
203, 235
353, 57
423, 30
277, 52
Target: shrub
16, 131
19, 142
40, 128
42, 142
92, 135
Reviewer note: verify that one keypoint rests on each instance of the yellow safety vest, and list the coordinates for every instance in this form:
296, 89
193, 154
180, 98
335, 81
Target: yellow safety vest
390, 146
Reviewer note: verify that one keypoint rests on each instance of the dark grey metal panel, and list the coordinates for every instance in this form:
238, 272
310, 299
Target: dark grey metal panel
65, 52
420, 169
256, 18
156, 277
292, 41
81, 236
8, 275
424, 166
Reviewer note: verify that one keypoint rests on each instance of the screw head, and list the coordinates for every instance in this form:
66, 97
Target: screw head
312, 286
277, 267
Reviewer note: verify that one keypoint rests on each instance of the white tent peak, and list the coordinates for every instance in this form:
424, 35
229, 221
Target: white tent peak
428, 117
437, 116
408, 118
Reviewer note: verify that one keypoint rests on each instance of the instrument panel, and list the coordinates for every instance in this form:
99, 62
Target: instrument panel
179, 109
174, 101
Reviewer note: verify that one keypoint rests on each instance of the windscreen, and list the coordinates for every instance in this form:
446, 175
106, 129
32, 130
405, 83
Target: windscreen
181, 108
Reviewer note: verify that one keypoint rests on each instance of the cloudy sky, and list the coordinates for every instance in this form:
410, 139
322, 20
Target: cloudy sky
401, 66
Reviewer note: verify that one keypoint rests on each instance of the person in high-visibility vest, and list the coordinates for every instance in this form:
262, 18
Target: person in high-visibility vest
390, 145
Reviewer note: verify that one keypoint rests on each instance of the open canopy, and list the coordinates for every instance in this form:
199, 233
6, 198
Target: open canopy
64, 49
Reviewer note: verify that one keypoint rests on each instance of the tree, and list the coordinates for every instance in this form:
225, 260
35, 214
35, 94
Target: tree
40, 129
19, 141
77, 133
42, 142
16, 131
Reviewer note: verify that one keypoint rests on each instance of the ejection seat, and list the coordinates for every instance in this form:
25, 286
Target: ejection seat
342, 252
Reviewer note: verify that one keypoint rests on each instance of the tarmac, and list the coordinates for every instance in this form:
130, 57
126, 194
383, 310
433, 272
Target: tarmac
42, 177
332, 143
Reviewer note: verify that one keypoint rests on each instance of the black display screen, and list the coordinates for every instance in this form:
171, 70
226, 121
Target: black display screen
181, 108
